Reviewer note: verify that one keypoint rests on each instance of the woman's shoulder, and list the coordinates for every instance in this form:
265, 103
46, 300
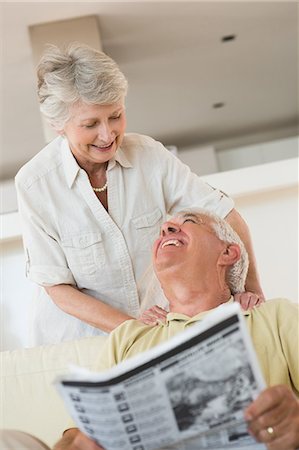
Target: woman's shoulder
136, 142
138, 147
46, 159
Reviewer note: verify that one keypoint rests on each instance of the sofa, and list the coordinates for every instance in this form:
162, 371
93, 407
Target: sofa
29, 400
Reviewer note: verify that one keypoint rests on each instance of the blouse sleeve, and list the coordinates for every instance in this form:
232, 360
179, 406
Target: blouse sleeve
45, 260
184, 189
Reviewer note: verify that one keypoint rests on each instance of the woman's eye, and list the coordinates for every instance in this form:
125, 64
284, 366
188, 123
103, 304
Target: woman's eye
115, 117
90, 126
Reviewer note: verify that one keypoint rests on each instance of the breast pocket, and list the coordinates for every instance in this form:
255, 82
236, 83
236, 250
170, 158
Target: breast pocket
147, 228
84, 253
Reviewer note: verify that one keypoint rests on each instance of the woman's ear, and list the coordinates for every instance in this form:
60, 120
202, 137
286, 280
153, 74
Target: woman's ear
58, 131
230, 254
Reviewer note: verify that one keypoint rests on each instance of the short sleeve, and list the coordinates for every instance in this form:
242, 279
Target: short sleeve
288, 326
107, 357
46, 264
116, 346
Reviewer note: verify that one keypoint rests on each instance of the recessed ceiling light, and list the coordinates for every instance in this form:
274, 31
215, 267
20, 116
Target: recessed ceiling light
218, 105
228, 37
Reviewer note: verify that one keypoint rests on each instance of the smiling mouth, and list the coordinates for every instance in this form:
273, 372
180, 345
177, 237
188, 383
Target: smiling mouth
106, 147
172, 242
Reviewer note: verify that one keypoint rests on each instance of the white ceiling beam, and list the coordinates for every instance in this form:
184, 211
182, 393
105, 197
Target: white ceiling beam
83, 29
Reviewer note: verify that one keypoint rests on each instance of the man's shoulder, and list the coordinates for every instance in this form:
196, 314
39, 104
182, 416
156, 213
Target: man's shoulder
130, 328
277, 303
121, 343
40, 165
276, 307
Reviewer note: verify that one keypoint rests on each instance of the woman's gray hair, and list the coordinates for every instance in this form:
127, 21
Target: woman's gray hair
77, 73
237, 273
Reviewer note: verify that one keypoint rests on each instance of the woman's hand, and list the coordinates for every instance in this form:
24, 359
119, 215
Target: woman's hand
153, 315
249, 300
274, 418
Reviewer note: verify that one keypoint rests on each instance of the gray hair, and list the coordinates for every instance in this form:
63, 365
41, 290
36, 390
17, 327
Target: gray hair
77, 73
237, 273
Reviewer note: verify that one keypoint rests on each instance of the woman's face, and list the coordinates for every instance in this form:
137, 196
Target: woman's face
94, 132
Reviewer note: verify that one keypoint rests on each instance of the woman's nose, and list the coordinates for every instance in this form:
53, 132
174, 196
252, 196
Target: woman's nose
104, 133
169, 227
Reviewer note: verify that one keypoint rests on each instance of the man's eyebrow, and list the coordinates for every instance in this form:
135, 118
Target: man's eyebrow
191, 216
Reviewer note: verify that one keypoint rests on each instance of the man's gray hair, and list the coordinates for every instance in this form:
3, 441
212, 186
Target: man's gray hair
77, 73
237, 273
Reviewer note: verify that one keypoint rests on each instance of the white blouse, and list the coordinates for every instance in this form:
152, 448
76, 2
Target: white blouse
70, 238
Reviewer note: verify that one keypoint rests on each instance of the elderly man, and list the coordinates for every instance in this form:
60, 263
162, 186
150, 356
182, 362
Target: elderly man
200, 262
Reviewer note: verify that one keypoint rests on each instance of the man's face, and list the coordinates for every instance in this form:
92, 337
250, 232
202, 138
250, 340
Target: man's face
187, 242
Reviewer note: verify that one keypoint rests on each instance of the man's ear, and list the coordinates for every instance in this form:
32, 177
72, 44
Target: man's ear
230, 254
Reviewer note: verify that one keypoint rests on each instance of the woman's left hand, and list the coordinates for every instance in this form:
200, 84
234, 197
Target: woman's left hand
153, 315
274, 418
248, 300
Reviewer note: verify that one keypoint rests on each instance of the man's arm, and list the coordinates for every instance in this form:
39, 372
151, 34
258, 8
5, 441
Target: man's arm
74, 439
274, 418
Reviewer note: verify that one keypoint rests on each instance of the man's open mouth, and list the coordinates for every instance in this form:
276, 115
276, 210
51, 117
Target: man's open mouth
173, 242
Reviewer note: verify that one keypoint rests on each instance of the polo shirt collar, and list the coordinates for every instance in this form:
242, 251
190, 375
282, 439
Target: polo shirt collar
182, 317
71, 167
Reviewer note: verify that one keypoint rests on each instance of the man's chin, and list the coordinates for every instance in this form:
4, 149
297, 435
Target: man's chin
166, 268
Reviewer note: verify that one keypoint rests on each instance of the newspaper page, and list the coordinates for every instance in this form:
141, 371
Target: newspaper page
186, 394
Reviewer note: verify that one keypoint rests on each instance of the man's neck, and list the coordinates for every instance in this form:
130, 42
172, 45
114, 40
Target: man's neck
192, 302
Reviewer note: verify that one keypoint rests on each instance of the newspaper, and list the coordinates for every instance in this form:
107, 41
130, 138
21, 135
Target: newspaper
188, 393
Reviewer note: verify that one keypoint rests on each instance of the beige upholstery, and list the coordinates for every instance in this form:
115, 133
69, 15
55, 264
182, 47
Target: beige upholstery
18, 440
29, 401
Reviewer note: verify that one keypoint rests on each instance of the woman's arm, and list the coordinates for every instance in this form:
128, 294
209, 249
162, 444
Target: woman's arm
239, 225
86, 308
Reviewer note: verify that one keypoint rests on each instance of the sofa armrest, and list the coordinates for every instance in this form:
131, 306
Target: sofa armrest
29, 401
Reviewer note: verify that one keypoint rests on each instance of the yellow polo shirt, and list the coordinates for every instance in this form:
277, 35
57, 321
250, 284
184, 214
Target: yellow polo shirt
274, 328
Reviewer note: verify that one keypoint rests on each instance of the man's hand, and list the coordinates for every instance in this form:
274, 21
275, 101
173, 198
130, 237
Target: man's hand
153, 316
274, 418
249, 300
73, 439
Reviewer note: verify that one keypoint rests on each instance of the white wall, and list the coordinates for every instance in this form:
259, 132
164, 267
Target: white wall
202, 160
16, 292
273, 220
209, 159
267, 197
256, 154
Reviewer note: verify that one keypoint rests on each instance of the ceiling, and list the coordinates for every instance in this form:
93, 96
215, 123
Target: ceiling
177, 65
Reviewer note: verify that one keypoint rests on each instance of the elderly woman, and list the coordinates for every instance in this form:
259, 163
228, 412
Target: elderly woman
92, 202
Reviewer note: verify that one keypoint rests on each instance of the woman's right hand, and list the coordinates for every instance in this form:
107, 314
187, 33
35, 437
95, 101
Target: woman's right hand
154, 315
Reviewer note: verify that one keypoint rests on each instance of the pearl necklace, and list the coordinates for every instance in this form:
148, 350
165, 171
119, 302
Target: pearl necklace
101, 189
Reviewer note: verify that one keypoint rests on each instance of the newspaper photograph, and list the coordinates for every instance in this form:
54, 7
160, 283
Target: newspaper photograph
187, 393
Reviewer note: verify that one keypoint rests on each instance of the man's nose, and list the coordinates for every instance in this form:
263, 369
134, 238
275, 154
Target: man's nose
169, 227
